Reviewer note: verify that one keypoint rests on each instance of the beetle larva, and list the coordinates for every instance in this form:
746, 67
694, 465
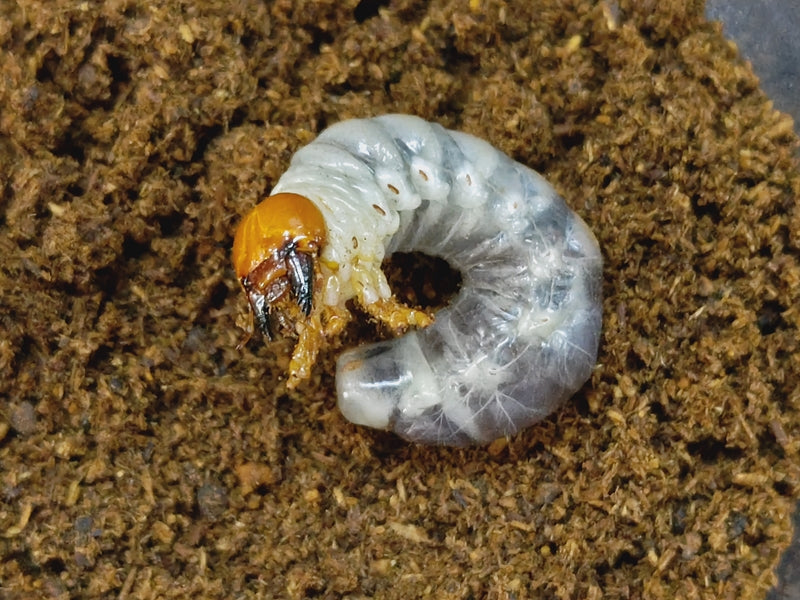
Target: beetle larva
520, 337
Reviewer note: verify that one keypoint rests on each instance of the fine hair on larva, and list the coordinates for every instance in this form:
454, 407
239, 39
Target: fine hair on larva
522, 334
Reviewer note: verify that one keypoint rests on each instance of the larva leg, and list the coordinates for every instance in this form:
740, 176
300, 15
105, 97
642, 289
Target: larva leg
397, 316
309, 342
323, 322
334, 320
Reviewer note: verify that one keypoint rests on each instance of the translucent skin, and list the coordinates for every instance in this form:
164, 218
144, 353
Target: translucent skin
522, 334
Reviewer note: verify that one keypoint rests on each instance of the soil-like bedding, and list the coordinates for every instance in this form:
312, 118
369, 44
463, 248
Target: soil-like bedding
142, 455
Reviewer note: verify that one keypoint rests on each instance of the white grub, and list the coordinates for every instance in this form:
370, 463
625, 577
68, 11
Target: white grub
522, 334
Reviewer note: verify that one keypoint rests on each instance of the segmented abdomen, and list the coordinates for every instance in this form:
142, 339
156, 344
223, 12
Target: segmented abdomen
522, 334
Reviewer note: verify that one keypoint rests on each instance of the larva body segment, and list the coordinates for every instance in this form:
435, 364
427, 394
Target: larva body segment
522, 334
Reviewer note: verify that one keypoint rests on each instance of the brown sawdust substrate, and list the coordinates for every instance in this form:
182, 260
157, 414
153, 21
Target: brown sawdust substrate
142, 455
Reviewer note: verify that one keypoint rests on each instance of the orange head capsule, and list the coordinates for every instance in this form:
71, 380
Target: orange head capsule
274, 253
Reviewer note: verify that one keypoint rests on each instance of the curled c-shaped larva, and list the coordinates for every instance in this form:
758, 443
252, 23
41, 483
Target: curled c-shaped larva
520, 337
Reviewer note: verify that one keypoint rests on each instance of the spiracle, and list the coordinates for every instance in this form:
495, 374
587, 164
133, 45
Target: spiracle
519, 338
